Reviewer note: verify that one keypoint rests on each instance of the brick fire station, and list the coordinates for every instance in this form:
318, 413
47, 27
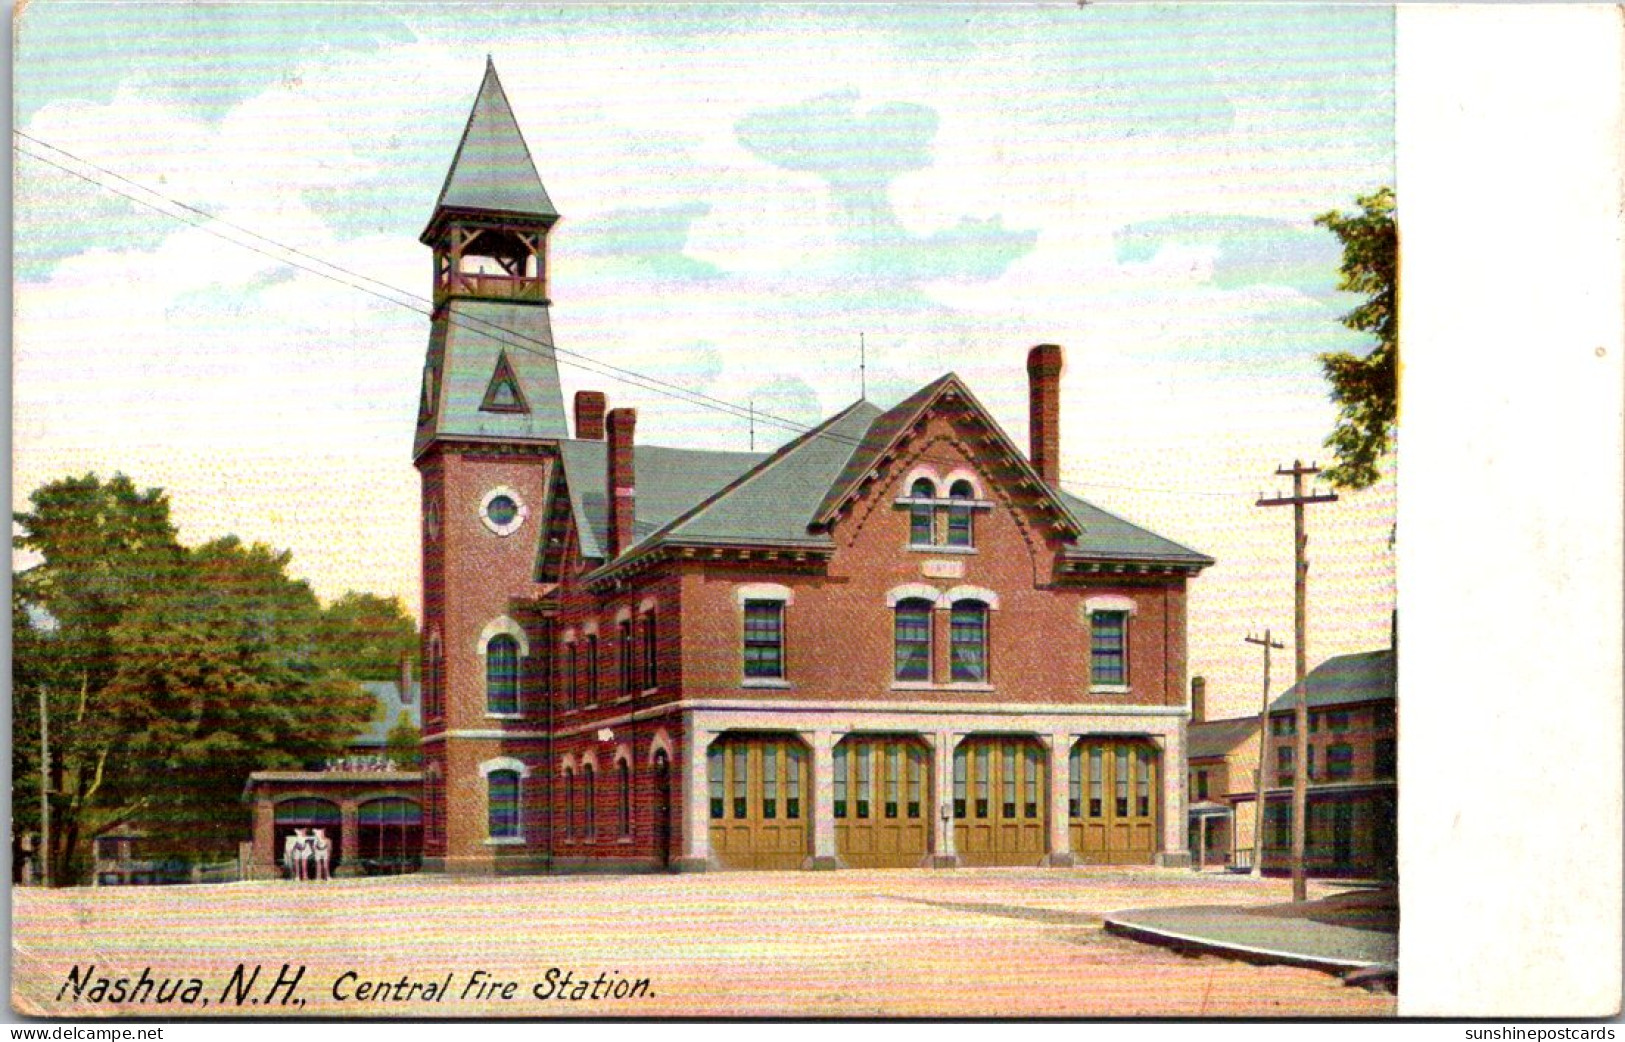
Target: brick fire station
894, 641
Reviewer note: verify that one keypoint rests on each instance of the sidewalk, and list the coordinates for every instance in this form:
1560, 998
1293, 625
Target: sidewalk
1312, 935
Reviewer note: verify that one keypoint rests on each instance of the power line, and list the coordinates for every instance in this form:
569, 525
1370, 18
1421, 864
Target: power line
511, 337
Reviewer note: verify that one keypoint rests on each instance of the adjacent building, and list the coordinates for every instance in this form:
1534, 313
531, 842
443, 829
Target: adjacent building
1352, 772
894, 641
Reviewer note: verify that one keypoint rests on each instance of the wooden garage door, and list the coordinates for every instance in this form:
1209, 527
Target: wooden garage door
882, 802
1000, 812
1113, 801
761, 801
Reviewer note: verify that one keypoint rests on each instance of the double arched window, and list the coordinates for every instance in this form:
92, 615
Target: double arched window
967, 643
912, 639
936, 521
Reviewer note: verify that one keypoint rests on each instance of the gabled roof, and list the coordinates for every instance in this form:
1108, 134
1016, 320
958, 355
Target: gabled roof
492, 170
778, 499
695, 497
1109, 537
668, 482
466, 345
1217, 737
387, 695
1365, 676
890, 427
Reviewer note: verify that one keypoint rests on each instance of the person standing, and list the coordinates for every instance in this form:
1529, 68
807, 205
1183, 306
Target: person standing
322, 847
290, 853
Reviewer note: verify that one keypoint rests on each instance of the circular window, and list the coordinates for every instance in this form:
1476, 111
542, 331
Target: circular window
502, 511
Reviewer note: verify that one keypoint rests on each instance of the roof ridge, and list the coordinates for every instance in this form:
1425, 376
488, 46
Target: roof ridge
801, 440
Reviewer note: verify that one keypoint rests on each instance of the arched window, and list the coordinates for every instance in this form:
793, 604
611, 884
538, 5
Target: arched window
912, 639
502, 802
589, 797
919, 515
569, 804
967, 641
502, 675
626, 798
959, 517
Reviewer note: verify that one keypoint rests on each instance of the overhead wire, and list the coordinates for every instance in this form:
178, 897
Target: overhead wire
510, 337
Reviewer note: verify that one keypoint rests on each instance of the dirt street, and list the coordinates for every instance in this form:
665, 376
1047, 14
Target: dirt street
993, 942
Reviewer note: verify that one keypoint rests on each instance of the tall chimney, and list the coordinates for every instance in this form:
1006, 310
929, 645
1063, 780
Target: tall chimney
590, 415
620, 479
1198, 700
1044, 364
406, 678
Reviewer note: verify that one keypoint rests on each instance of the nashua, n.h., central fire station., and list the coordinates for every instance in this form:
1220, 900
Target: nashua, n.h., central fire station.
894, 641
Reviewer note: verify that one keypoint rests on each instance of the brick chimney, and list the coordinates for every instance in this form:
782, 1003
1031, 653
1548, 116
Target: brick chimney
620, 479
590, 415
406, 678
1198, 700
1044, 364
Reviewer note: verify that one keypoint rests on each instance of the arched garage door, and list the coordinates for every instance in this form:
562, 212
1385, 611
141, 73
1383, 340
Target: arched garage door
1115, 792
882, 801
760, 801
1000, 801
308, 813
391, 836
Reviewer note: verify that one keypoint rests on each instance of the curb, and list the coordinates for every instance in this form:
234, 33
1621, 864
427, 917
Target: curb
1245, 952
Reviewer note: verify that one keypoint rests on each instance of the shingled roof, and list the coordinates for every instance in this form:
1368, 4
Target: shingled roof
1217, 737
464, 350
1109, 537
492, 171
695, 497
668, 482
1365, 676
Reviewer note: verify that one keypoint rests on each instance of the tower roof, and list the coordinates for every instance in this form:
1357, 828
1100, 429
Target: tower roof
493, 171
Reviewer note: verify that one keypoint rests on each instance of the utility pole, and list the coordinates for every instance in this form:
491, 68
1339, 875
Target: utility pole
44, 791
1300, 615
1268, 642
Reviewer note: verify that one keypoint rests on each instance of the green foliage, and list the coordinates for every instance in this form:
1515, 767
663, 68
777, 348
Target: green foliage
403, 744
364, 636
1366, 389
170, 675
103, 547
218, 677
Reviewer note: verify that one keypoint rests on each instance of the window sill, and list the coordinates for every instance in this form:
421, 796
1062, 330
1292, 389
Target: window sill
646, 692
924, 548
1109, 689
624, 841
923, 685
504, 716
505, 841
778, 683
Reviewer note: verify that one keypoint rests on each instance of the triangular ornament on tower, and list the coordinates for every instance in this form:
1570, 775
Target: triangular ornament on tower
502, 394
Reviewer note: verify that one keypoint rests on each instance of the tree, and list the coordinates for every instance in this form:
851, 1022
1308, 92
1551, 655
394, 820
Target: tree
403, 744
365, 636
1365, 388
219, 676
103, 548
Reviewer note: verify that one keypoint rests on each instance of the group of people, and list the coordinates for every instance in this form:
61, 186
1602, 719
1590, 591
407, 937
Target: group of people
361, 763
307, 853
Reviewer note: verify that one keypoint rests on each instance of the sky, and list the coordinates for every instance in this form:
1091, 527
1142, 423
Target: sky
745, 192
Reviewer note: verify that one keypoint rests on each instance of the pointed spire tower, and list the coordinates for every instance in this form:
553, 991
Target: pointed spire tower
490, 371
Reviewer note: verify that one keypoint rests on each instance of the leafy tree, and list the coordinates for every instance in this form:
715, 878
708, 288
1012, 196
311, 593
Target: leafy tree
219, 676
1366, 388
403, 744
364, 636
103, 547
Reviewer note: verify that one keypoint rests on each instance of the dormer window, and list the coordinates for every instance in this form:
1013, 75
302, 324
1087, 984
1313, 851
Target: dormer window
920, 524
937, 522
959, 515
